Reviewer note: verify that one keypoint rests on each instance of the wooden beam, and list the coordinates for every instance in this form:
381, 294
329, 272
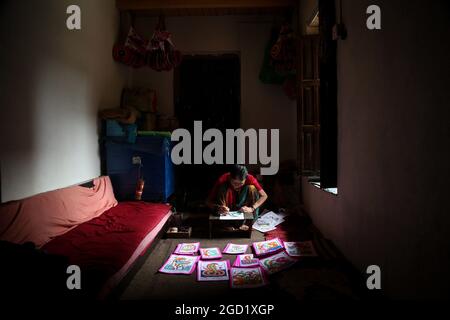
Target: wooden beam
150, 5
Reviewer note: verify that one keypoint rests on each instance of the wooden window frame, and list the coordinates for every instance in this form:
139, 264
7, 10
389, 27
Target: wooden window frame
318, 158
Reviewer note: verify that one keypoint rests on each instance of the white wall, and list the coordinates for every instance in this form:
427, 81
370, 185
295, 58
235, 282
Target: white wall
262, 105
53, 82
393, 148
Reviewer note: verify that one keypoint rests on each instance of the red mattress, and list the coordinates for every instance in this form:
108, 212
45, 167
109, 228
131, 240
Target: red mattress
105, 247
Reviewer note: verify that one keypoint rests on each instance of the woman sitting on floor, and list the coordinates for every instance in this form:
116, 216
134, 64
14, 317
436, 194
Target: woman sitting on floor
237, 190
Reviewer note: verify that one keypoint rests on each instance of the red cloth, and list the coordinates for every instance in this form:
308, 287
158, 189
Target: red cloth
250, 180
102, 246
42, 217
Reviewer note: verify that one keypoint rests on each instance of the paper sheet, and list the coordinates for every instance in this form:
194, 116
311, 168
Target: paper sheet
232, 215
245, 261
277, 262
300, 249
187, 248
267, 247
263, 227
177, 264
232, 248
268, 222
213, 270
247, 278
210, 253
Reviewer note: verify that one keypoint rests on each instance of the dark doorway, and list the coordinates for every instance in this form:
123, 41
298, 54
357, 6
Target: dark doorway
207, 89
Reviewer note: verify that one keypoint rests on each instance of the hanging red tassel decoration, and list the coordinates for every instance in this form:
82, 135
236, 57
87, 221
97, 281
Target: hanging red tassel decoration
158, 53
123, 54
161, 52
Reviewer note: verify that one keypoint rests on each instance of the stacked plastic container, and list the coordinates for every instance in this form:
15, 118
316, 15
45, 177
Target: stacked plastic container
148, 158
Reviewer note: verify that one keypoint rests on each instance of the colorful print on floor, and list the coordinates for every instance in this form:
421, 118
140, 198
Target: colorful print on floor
247, 277
277, 262
187, 248
213, 270
178, 264
245, 261
210, 253
235, 248
267, 247
300, 249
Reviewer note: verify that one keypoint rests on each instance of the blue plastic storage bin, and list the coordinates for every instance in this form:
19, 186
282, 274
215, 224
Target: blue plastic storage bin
157, 167
116, 129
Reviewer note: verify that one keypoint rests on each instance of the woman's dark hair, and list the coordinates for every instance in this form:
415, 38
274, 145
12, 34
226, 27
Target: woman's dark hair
238, 172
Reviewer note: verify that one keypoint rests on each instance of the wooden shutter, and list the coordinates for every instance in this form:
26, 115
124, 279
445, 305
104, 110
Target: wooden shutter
308, 115
328, 95
317, 103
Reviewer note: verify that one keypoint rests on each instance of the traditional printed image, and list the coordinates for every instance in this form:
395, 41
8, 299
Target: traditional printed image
277, 262
232, 215
300, 249
247, 277
267, 247
235, 248
187, 248
246, 260
213, 270
177, 264
210, 253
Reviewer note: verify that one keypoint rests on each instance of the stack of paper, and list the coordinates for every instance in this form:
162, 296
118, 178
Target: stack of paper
268, 221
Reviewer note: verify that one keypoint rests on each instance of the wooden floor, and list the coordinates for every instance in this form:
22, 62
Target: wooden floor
325, 277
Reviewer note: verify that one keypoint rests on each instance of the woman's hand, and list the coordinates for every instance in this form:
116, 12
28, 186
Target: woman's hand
246, 209
223, 210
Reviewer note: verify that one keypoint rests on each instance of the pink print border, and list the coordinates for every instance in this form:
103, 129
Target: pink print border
265, 278
225, 250
259, 254
212, 258
197, 244
187, 272
238, 262
209, 261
